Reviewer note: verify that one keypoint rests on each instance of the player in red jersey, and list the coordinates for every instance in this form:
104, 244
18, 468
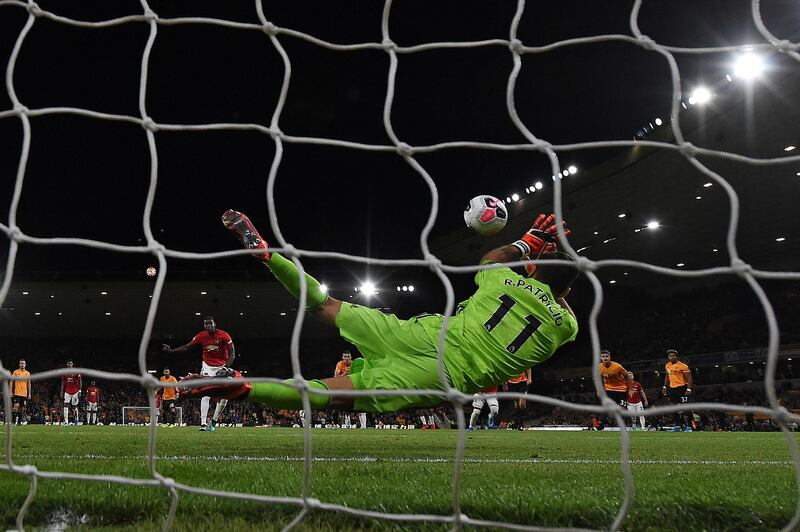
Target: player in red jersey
637, 401
218, 354
92, 403
488, 396
71, 391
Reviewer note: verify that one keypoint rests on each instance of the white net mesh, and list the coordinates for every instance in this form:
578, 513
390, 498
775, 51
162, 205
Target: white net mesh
516, 48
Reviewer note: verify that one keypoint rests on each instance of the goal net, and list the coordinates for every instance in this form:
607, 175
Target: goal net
140, 415
275, 37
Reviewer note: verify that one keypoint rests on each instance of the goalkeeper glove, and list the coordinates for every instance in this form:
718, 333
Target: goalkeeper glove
541, 237
233, 391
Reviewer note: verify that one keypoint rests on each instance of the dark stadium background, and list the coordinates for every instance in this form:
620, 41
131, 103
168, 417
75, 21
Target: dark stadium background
88, 178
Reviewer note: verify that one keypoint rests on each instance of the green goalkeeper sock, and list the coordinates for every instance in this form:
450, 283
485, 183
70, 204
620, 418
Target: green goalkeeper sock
281, 396
286, 272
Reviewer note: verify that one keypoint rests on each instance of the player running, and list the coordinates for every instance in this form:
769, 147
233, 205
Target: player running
168, 396
92, 403
21, 394
678, 387
71, 391
510, 323
489, 397
637, 401
218, 355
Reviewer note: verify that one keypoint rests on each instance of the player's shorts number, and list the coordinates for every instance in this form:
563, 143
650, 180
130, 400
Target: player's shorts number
506, 303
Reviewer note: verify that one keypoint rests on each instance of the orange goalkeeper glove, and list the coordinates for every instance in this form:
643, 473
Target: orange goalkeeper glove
237, 389
541, 237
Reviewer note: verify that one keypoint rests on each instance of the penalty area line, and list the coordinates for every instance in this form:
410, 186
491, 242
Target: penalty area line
376, 459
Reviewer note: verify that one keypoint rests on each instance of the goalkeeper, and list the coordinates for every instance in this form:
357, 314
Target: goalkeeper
510, 324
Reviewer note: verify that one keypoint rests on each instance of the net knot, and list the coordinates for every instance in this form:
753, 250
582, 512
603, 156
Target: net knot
741, 267
647, 43
455, 396
149, 124
148, 381
389, 45
27, 470
433, 262
404, 149
290, 250
586, 265
21, 109
269, 28
785, 46
166, 482
150, 15
301, 384
516, 46
781, 415
14, 233
688, 149
312, 504
34, 9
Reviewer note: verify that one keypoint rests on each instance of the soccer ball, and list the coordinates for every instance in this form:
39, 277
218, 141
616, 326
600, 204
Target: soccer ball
486, 215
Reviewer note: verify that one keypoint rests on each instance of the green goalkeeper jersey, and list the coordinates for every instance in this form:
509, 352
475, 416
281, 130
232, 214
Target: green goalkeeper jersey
510, 324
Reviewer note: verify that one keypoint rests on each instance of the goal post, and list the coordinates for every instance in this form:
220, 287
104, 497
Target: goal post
141, 414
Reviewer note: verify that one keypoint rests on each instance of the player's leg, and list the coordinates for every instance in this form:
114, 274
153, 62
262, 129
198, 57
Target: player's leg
325, 308
204, 403
640, 408
15, 410
75, 411
362, 419
494, 408
632, 410
221, 404
67, 401
477, 406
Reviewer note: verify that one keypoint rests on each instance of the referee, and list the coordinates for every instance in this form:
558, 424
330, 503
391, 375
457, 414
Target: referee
678, 386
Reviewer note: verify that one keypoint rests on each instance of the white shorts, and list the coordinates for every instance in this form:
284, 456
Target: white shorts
210, 371
479, 398
71, 399
91, 407
635, 407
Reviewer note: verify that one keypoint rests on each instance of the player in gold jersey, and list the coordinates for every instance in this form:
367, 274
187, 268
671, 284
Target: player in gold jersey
21, 393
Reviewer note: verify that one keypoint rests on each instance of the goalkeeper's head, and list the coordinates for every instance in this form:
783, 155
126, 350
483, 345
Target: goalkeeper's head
559, 277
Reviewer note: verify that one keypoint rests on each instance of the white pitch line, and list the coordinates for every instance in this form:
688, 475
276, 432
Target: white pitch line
375, 459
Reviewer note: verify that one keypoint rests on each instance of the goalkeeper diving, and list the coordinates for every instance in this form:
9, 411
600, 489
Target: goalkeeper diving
511, 323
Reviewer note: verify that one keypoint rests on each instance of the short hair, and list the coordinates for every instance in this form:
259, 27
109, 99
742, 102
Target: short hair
346, 352
209, 318
165, 369
22, 360
605, 352
672, 351
70, 360
559, 277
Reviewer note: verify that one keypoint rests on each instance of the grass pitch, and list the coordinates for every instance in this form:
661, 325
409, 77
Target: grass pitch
710, 481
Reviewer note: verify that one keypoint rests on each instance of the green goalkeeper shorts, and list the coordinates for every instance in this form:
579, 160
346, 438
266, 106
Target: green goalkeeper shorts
397, 355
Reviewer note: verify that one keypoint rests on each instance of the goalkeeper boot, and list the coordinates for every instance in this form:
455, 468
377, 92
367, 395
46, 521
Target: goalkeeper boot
236, 389
212, 427
246, 232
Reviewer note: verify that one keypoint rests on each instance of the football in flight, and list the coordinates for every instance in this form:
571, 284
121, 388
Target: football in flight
485, 214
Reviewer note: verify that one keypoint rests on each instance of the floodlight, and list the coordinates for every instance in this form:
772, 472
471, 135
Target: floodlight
539, 184
658, 121
700, 96
515, 197
780, 239
706, 185
572, 169
323, 288
748, 66
565, 173
653, 225
368, 288
411, 288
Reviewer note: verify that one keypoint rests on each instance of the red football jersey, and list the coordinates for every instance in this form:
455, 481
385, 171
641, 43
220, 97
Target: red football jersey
92, 394
72, 383
636, 395
216, 347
